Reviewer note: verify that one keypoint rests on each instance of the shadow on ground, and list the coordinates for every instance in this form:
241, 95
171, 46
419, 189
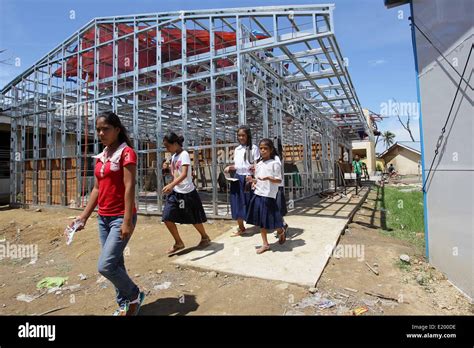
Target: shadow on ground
181, 305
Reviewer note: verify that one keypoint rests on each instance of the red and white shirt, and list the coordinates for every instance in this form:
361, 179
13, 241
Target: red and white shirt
109, 175
177, 163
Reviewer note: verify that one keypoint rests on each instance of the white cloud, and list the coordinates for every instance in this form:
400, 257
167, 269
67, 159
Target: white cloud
377, 62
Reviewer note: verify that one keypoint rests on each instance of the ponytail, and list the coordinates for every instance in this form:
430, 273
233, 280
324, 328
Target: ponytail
172, 138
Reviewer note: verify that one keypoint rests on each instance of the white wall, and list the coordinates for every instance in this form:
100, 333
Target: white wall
450, 190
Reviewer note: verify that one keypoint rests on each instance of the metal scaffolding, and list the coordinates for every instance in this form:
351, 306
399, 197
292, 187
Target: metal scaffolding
200, 73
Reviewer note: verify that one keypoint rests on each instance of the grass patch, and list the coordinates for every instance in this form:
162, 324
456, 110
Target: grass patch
404, 216
403, 265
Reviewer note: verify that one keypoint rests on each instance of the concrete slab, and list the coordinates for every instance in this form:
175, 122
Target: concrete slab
315, 227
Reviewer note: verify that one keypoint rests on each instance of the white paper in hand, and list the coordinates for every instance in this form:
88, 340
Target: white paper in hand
70, 231
228, 177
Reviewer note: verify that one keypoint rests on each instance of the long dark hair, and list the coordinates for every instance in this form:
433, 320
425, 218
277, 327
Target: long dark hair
247, 131
113, 120
248, 150
172, 138
269, 143
279, 148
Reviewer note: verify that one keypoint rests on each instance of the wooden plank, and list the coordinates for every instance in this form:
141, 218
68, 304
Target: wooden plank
372, 269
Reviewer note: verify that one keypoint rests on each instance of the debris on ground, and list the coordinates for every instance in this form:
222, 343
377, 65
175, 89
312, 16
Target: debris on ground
292, 312
344, 283
326, 304
381, 296
405, 258
360, 310
372, 268
51, 282
311, 301
162, 286
318, 300
53, 310
420, 279
79, 254
71, 287
351, 290
25, 298
340, 294
55, 289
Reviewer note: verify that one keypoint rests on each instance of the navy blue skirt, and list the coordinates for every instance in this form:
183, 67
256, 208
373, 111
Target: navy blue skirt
281, 201
184, 208
239, 199
263, 212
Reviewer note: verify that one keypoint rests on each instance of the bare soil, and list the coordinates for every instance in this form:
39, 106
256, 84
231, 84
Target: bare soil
193, 291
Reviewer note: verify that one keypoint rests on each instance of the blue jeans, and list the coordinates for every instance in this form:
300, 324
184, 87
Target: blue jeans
111, 262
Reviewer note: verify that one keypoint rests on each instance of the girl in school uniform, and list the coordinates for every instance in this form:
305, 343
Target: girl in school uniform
183, 204
245, 156
114, 193
263, 210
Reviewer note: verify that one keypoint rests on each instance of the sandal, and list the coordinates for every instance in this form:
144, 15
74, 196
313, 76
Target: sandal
285, 228
204, 242
262, 249
175, 248
282, 236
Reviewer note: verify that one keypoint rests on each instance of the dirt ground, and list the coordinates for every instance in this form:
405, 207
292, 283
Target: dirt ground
416, 288
176, 290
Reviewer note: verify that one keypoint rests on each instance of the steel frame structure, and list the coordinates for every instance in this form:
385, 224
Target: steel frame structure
282, 73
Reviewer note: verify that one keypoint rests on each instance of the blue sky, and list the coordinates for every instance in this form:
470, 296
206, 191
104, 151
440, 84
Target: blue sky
376, 40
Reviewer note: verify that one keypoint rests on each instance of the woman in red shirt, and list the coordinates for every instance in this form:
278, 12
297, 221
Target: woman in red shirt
114, 193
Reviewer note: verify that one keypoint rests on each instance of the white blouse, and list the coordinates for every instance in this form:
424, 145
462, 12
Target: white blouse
266, 188
241, 163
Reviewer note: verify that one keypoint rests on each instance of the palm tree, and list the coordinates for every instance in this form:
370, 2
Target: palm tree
388, 137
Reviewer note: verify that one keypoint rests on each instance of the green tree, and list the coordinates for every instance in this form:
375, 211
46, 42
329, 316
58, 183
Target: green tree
388, 137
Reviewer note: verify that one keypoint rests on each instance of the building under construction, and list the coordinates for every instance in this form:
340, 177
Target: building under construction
200, 73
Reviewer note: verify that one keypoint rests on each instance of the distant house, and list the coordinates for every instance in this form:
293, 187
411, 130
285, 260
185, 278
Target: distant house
365, 148
405, 157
